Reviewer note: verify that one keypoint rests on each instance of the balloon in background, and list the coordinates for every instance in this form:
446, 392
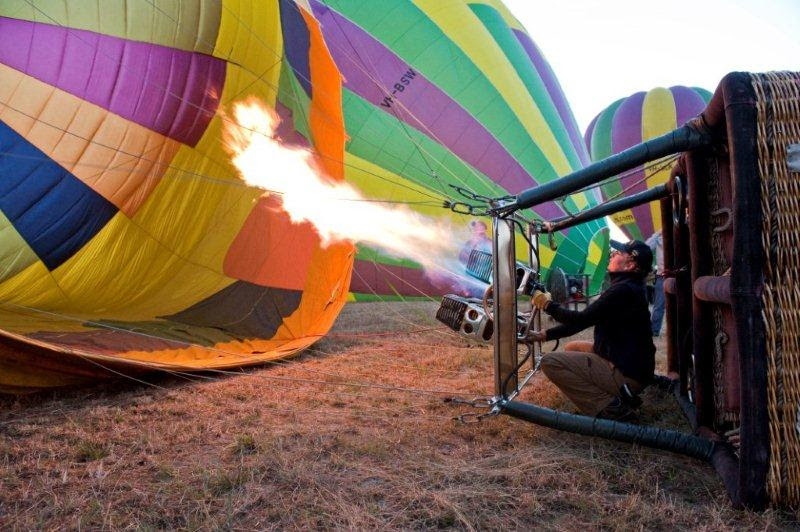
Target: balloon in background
447, 92
630, 121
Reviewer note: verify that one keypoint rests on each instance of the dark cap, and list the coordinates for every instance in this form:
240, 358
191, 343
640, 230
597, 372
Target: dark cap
641, 253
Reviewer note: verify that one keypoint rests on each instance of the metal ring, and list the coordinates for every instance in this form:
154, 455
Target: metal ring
728, 221
488, 293
678, 202
461, 207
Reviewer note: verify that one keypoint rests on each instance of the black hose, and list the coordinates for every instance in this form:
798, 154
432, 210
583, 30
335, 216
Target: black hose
658, 438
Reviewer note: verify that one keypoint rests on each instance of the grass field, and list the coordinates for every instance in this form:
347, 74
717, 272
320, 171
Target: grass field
355, 433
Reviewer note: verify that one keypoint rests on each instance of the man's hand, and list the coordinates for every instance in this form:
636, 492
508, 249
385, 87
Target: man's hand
541, 299
537, 336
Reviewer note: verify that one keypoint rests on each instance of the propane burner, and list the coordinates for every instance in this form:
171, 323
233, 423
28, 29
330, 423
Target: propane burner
479, 266
526, 281
466, 316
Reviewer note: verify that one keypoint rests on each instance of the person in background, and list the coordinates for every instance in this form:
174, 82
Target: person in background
479, 239
656, 244
603, 378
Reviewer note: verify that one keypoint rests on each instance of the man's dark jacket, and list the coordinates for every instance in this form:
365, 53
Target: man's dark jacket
621, 319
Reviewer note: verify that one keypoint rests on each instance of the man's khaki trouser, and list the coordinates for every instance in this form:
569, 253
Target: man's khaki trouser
589, 381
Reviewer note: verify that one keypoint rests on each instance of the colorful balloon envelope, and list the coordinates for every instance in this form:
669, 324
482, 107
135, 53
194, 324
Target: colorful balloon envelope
630, 121
449, 92
129, 241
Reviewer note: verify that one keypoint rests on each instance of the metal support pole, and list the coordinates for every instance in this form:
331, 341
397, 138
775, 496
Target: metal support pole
655, 193
684, 138
670, 306
505, 307
533, 260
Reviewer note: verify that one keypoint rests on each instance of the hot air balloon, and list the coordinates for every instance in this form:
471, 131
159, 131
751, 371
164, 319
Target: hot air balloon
630, 121
448, 92
129, 241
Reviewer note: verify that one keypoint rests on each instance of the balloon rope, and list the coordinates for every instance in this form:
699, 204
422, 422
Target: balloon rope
224, 118
666, 160
180, 171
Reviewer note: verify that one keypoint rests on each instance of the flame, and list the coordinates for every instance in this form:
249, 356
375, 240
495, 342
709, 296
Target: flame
337, 210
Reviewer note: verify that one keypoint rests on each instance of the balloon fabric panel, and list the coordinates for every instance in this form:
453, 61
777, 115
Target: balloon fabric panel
120, 160
459, 23
15, 253
519, 59
50, 208
148, 21
177, 97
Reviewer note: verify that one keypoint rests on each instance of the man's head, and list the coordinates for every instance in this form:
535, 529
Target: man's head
632, 256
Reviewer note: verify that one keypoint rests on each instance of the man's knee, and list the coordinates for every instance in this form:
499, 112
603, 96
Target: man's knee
562, 367
552, 362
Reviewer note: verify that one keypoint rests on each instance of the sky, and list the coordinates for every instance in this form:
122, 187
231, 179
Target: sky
603, 50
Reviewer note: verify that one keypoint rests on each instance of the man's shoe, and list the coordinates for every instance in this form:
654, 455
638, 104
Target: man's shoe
629, 397
617, 410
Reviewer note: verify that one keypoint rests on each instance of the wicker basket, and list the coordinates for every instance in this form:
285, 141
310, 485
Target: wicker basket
734, 305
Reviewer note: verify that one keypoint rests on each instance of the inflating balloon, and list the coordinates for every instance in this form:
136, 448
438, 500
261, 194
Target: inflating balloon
448, 92
130, 241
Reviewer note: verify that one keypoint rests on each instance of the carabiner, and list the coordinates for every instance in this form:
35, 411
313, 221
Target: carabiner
462, 208
551, 240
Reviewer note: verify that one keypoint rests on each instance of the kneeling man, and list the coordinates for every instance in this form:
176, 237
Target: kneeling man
603, 378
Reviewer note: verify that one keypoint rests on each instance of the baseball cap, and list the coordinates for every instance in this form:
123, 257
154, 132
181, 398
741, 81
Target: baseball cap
641, 253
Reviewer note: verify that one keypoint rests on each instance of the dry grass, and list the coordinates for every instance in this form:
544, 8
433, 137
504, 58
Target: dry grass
312, 444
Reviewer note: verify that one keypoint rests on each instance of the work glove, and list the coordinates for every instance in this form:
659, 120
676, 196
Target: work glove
541, 299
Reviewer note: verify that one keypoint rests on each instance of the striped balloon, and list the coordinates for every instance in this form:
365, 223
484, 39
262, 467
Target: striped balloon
630, 121
450, 92
128, 241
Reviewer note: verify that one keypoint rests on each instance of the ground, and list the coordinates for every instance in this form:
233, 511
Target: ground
354, 433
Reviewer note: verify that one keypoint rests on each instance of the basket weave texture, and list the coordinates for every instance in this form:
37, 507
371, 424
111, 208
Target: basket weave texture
778, 126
